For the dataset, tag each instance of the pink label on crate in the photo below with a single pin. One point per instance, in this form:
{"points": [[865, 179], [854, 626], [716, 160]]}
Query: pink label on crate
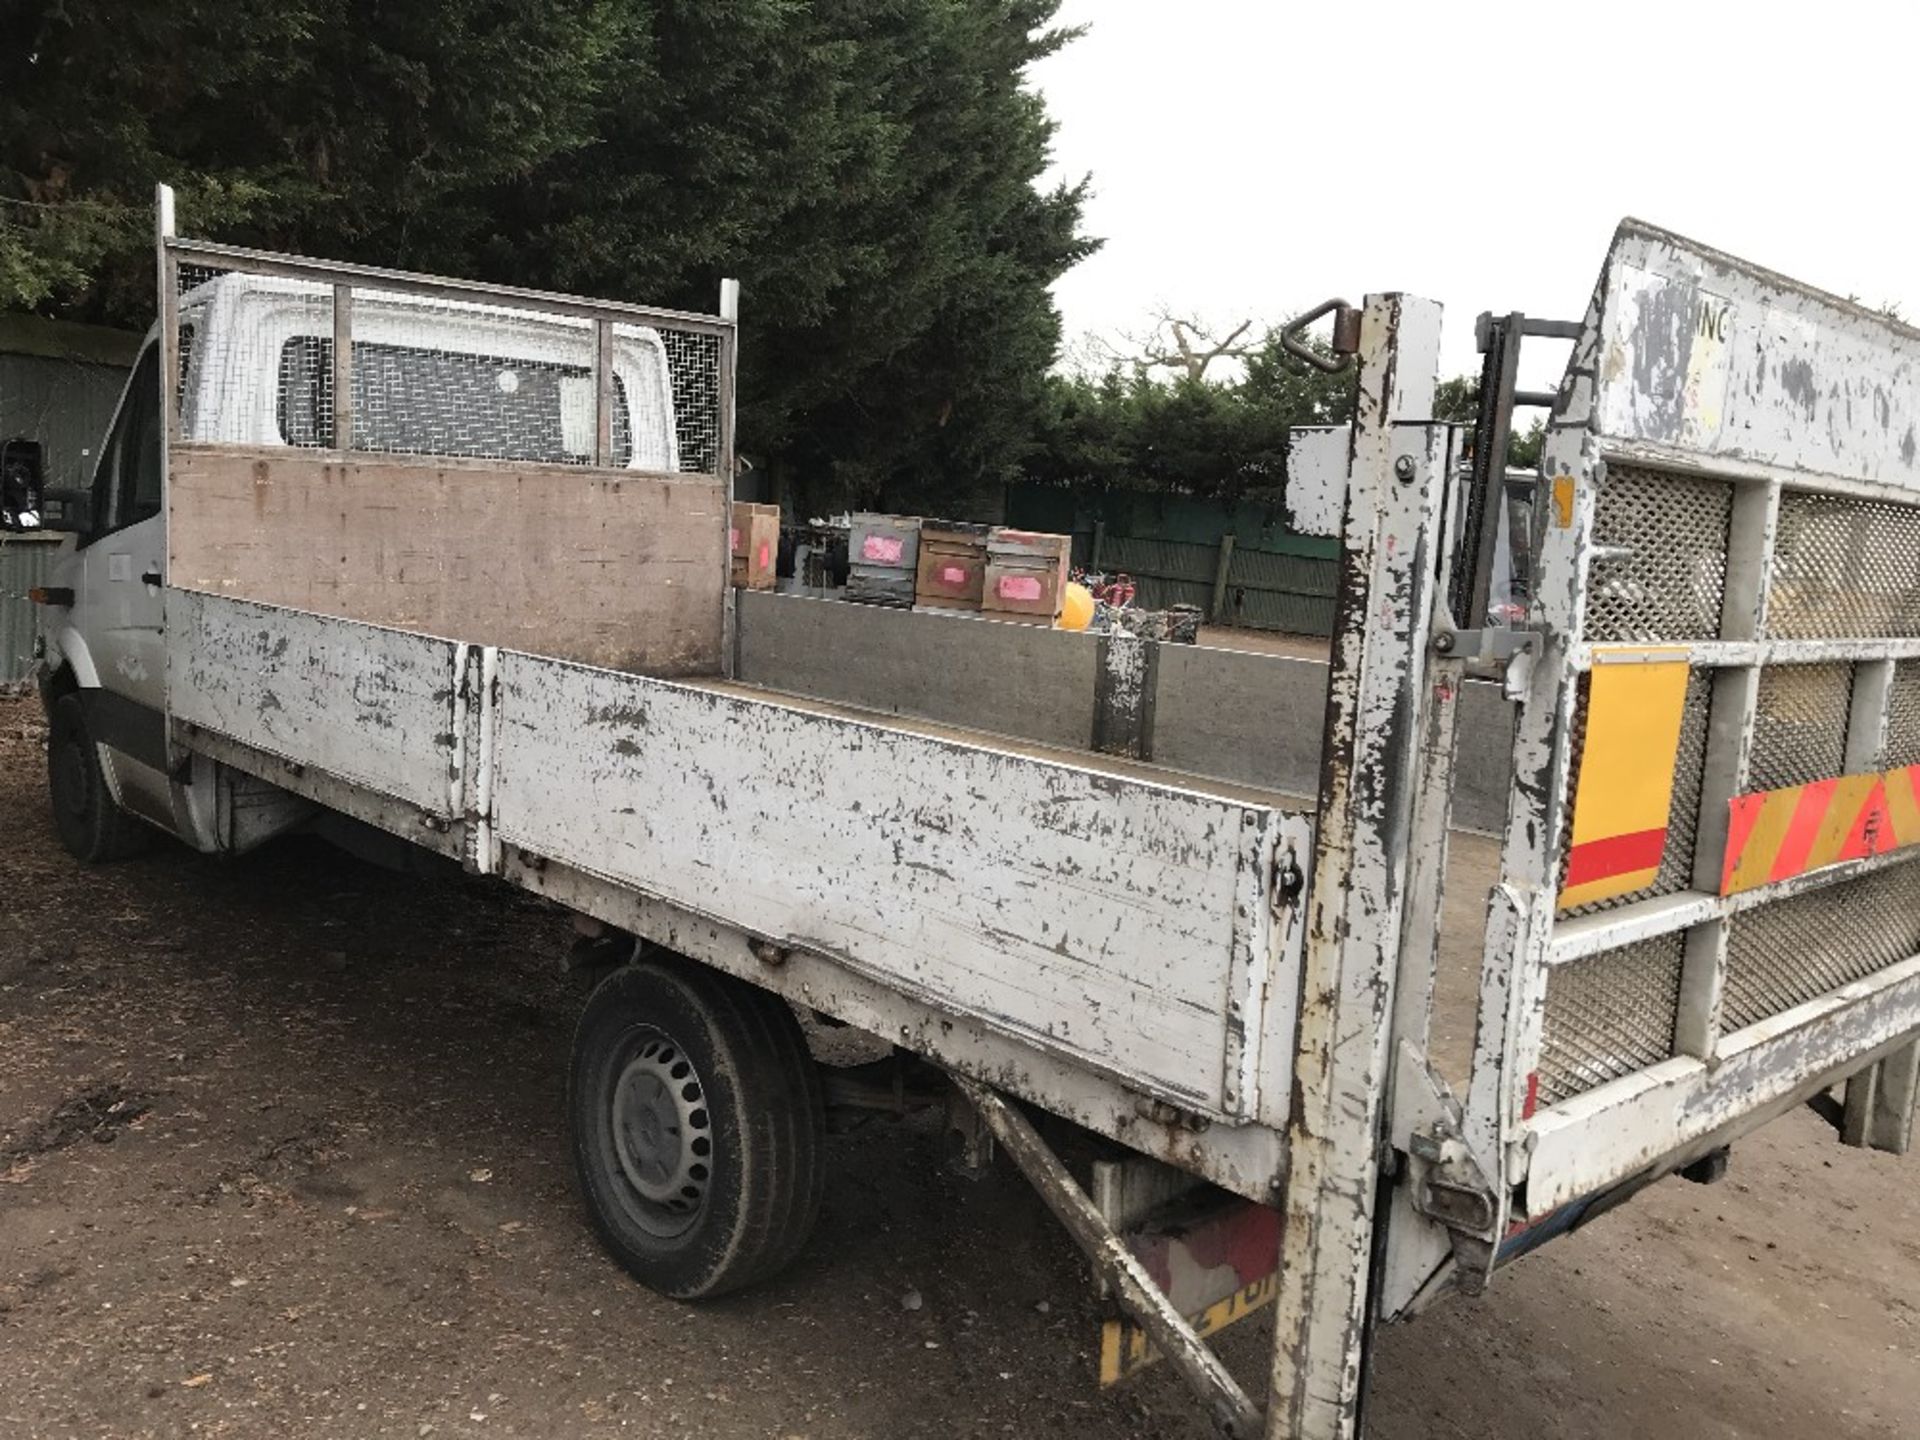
{"points": [[1019, 587], [763, 554], [733, 538], [952, 575], [882, 549]]}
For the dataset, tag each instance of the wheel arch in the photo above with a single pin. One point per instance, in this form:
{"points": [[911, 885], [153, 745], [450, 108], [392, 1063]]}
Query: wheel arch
{"points": [[67, 651]]}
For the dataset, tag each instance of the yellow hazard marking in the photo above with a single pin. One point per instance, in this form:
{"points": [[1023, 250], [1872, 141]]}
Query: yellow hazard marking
{"points": [[1850, 795], [1562, 501], [1636, 697], [1903, 804], [1750, 856], [1125, 1349]]}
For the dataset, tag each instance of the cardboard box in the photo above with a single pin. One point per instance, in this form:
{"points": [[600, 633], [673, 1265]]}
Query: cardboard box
{"points": [[755, 543]]}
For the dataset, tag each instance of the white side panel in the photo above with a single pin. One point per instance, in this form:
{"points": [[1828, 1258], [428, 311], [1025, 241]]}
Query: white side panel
{"points": [[369, 705], [1087, 913], [1716, 358], [1318, 460]]}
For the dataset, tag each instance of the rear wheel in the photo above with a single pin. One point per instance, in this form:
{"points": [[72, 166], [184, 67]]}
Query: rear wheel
{"points": [[696, 1114], [88, 820]]}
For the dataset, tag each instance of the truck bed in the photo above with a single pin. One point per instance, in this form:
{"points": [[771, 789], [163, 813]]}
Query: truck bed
{"points": [[1103, 912], [1118, 766]]}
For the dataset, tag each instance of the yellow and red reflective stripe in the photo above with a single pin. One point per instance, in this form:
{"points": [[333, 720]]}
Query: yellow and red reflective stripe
{"points": [[1636, 697], [1774, 835]]}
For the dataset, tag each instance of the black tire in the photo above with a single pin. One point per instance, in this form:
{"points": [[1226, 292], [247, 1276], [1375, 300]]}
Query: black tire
{"points": [[657, 1037], [88, 820]]}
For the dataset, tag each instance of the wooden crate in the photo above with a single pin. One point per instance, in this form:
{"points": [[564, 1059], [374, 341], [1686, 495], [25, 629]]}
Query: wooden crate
{"points": [[1025, 576], [953, 565], [755, 544], [1005, 543]]}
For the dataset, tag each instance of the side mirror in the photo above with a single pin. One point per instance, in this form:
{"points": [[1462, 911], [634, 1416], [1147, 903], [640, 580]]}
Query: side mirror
{"points": [[65, 512], [21, 485]]}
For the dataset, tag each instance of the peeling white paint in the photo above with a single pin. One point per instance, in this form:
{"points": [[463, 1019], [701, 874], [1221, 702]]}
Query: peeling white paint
{"points": [[1702, 365], [369, 705], [1089, 913], [1723, 360]]}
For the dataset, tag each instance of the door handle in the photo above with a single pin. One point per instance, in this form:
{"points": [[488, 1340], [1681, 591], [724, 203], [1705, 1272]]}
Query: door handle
{"points": [[152, 577]]}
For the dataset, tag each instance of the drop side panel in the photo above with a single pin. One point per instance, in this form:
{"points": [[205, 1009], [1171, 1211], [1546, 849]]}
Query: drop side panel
{"points": [[1088, 913]]}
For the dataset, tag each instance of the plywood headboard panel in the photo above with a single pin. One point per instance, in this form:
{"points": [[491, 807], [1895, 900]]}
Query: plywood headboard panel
{"points": [[607, 567]]}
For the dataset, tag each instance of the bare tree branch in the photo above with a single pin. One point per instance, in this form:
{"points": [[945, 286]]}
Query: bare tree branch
{"points": [[1184, 344]]}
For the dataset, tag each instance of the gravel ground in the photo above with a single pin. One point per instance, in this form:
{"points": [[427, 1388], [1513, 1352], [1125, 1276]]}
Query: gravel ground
{"points": [[280, 1155]]}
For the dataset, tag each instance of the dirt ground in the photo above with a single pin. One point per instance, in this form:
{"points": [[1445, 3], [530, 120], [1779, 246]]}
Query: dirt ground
{"points": [[280, 1155]]}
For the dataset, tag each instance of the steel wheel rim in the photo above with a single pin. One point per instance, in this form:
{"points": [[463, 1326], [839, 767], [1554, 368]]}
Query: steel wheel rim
{"points": [[662, 1133]]}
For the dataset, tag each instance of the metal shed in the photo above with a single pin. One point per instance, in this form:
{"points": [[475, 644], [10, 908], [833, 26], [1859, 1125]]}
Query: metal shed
{"points": [[59, 383]]}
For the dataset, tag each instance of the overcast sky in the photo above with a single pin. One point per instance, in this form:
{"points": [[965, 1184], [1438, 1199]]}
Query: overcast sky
{"points": [[1250, 158]]}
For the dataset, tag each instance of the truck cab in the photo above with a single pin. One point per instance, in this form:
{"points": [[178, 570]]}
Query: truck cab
{"points": [[255, 368]]}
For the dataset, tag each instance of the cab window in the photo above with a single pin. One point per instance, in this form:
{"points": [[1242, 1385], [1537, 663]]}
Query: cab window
{"points": [[127, 485]]}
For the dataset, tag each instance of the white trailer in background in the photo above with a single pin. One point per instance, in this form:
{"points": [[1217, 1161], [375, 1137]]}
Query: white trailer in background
{"points": [[451, 560]]}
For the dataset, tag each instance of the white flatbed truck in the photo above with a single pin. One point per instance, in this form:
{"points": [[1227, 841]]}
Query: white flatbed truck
{"points": [[451, 561]]}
